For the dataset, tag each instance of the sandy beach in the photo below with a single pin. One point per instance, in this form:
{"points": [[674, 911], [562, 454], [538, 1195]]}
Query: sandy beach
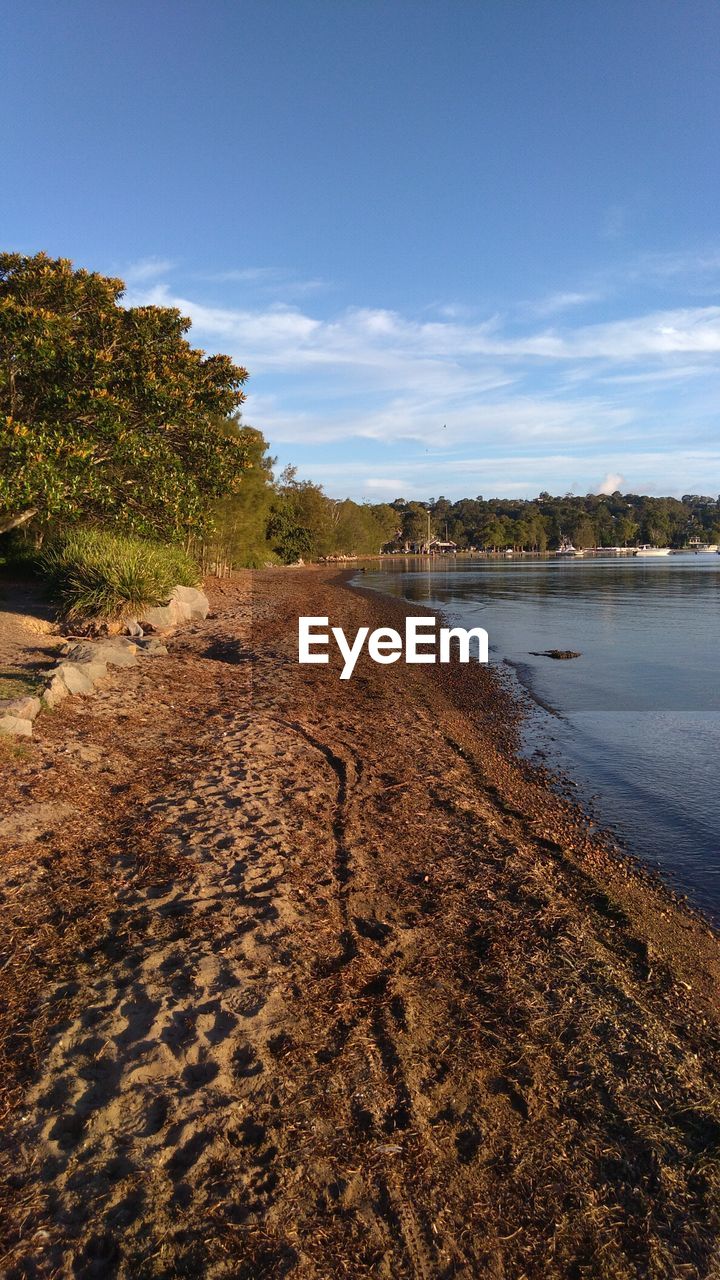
{"points": [[316, 979]]}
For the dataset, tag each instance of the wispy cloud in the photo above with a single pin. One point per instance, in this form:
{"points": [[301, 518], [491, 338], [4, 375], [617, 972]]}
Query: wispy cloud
{"points": [[247, 275], [269, 282], [556, 303], [615, 220], [377, 381], [286, 335], [147, 269], [519, 475], [387, 486], [685, 264]]}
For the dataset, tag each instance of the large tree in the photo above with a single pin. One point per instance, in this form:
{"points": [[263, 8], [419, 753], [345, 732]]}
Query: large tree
{"points": [[106, 412]]}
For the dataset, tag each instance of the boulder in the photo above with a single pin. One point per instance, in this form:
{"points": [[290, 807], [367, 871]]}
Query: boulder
{"points": [[194, 600], [75, 678], [55, 691], [95, 670], [22, 708], [183, 611], [162, 618], [82, 651], [119, 653], [16, 726], [116, 652], [152, 647]]}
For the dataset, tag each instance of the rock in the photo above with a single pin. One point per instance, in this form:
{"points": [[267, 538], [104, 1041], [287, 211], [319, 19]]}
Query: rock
{"points": [[95, 670], [185, 605], [75, 677], [133, 628], [196, 601], [152, 647], [163, 617], [56, 690], [82, 651], [183, 611], [15, 726], [24, 708], [117, 652]]}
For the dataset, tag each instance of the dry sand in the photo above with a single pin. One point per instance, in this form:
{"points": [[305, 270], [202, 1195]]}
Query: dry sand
{"points": [[313, 979]]}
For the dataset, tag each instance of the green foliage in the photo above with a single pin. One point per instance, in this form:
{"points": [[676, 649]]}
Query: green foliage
{"points": [[415, 524], [289, 540], [99, 575], [240, 519], [306, 523], [107, 413]]}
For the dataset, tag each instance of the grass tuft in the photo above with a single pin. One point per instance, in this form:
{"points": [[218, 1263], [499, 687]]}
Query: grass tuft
{"points": [[102, 576]]}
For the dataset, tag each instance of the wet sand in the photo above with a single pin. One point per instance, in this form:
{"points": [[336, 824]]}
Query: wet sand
{"points": [[314, 978]]}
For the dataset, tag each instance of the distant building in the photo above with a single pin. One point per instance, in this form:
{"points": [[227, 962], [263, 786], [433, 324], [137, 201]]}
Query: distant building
{"points": [[437, 548]]}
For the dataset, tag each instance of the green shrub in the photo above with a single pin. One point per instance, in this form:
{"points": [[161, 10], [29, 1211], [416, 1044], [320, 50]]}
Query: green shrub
{"points": [[100, 576]]}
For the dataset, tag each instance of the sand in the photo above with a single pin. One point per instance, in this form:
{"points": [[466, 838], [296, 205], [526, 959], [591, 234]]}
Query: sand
{"points": [[313, 978]]}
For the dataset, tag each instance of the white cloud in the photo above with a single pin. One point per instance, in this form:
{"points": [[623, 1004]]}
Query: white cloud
{"points": [[613, 482], [268, 282], [684, 264], [651, 377], [286, 336], [247, 275], [375, 375]]}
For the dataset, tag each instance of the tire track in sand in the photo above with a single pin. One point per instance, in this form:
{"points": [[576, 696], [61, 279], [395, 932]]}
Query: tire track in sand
{"points": [[392, 1199]]}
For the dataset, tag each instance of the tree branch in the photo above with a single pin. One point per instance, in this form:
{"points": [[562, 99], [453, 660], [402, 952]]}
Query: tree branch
{"points": [[13, 522]]}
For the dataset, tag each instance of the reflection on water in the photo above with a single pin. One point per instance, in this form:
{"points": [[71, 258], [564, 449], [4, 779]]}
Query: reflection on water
{"points": [[639, 711]]}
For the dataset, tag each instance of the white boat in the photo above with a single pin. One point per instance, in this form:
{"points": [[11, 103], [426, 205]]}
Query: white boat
{"points": [[647, 550], [567, 549]]}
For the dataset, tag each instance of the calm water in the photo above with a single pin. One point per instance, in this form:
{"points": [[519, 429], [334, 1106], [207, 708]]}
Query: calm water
{"points": [[635, 720]]}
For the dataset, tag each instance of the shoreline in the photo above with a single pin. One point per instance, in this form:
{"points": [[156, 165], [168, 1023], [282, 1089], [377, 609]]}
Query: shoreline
{"points": [[349, 989], [521, 703], [558, 763]]}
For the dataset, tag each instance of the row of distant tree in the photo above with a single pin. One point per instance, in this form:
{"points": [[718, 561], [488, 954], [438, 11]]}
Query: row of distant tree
{"points": [[539, 524], [110, 418]]}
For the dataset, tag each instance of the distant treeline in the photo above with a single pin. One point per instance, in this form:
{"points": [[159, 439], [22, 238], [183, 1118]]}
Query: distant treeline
{"points": [[539, 524], [292, 519]]}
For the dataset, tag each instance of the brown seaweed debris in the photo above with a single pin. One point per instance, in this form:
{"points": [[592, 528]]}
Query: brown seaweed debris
{"points": [[555, 653]]}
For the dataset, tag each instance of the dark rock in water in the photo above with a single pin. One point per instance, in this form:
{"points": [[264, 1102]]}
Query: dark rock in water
{"points": [[555, 653]]}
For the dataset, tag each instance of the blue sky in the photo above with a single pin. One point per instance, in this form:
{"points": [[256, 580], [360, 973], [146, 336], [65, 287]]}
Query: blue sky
{"points": [[463, 246]]}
